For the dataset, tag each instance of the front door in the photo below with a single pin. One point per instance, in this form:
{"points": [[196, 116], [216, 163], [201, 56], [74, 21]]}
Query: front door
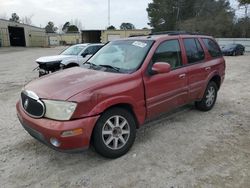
{"points": [[164, 92]]}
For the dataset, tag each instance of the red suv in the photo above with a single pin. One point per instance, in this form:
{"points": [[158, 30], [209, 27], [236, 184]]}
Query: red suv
{"points": [[125, 83]]}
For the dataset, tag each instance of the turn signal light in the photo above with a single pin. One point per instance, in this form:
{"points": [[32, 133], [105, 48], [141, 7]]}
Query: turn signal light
{"points": [[74, 132]]}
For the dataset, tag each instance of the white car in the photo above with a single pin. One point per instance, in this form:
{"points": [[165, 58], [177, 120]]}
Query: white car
{"points": [[73, 56]]}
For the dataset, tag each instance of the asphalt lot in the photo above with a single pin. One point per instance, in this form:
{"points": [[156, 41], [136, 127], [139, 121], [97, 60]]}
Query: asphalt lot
{"points": [[186, 148]]}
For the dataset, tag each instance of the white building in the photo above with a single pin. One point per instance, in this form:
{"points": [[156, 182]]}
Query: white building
{"points": [[17, 34]]}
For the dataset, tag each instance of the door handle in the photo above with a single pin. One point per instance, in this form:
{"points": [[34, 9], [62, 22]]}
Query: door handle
{"points": [[182, 76], [208, 68]]}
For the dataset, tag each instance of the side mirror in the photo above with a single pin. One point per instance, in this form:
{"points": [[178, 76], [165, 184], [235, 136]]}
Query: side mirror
{"points": [[84, 54], [161, 68]]}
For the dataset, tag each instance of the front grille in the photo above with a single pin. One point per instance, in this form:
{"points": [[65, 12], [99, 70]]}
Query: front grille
{"points": [[32, 105], [50, 66]]}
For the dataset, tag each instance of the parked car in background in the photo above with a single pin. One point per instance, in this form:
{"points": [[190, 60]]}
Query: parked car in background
{"points": [[73, 56], [126, 83], [233, 49]]}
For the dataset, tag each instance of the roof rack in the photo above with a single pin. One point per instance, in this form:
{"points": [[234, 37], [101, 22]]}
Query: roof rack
{"points": [[174, 33], [138, 35]]}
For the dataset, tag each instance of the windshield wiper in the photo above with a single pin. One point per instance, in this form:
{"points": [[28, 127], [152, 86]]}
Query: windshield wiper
{"points": [[111, 67], [91, 64]]}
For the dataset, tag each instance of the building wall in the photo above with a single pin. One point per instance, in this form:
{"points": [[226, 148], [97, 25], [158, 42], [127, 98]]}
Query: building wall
{"points": [[4, 36], [64, 39], [108, 35], [34, 36], [37, 39]]}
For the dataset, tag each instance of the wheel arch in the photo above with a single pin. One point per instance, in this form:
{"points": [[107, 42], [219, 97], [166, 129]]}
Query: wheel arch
{"points": [[72, 64], [217, 80], [127, 106]]}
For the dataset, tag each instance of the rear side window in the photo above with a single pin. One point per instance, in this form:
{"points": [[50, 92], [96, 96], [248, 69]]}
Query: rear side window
{"points": [[170, 52], [194, 51], [213, 47]]}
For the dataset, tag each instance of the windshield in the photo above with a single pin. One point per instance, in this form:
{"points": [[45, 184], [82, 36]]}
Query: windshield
{"points": [[73, 50], [123, 56]]}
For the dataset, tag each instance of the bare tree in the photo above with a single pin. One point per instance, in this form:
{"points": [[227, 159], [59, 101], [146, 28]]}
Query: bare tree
{"points": [[27, 19], [77, 23]]}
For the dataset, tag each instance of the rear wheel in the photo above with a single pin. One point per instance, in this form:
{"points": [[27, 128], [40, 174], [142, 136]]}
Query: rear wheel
{"points": [[114, 133], [209, 98]]}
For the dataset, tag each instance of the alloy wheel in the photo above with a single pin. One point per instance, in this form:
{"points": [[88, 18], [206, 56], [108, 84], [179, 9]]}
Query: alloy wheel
{"points": [[210, 97], [116, 132]]}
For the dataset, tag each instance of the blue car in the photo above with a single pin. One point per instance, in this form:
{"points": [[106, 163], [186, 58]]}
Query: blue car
{"points": [[233, 50]]}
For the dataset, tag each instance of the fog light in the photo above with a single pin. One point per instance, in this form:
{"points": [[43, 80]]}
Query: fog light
{"points": [[72, 132], [55, 142]]}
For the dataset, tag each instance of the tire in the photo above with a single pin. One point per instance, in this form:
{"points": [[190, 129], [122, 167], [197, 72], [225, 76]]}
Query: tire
{"points": [[209, 98], [112, 139]]}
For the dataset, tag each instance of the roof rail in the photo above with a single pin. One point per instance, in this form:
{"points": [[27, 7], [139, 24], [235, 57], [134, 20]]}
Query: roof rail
{"points": [[174, 33], [138, 35]]}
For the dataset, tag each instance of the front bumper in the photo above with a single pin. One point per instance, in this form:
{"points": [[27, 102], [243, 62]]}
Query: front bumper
{"points": [[44, 129]]}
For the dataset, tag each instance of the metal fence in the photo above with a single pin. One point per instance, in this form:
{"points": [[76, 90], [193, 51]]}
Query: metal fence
{"points": [[244, 41]]}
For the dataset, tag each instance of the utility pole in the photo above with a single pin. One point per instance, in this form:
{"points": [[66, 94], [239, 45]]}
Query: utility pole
{"points": [[108, 13]]}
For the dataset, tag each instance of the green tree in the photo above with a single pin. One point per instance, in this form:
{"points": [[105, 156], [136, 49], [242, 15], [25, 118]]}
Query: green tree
{"points": [[168, 14], [50, 27], [15, 18], [245, 26], [244, 2], [127, 26], [214, 17], [216, 21], [65, 27], [72, 29], [111, 28]]}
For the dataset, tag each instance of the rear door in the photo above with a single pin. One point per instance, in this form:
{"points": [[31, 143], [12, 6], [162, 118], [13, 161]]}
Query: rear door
{"points": [[197, 68], [164, 92]]}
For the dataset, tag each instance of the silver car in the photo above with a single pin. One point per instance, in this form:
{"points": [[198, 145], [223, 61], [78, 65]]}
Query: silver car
{"points": [[73, 56]]}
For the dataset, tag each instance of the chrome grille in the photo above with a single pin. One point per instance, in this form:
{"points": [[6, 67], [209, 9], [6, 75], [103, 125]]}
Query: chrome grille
{"points": [[32, 105]]}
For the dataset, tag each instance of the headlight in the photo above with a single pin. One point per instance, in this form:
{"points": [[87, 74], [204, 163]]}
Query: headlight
{"points": [[59, 110]]}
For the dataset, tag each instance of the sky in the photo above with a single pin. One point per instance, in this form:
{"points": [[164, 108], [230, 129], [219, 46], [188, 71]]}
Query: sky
{"points": [[93, 14]]}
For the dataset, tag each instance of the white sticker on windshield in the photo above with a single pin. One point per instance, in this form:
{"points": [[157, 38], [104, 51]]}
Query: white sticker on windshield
{"points": [[139, 44]]}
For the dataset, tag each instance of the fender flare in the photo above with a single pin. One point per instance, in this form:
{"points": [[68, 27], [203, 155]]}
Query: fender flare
{"points": [[138, 111], [209, 78]]}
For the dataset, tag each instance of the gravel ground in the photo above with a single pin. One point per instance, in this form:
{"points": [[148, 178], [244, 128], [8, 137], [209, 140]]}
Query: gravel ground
{"points": [[185, 148]]}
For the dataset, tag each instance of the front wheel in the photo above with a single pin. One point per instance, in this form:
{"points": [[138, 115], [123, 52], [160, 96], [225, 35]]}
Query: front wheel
{"points": [[114, 133], [209, 98]]}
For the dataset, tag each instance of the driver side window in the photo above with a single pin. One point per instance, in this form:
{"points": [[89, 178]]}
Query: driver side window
{"points": [[169, 52], [89, 50]]}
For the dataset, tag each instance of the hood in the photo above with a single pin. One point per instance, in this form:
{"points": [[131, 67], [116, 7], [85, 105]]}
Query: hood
{"points": [[64, 84], [46, 59], [227, 49]]}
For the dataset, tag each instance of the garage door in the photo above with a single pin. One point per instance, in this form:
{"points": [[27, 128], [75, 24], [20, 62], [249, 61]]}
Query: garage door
{"points": [[17, 37]]}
